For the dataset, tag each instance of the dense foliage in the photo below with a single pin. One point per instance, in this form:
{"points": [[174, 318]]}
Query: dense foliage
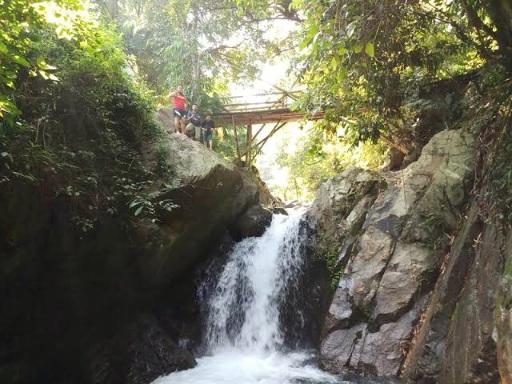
{"points": [[68, 79], [362, 59], [77, 123], [205, 46], [315, 159]]}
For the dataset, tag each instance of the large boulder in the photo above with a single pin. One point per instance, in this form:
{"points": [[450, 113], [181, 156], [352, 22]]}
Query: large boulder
{"points": [[389, 243], [210, 195], [252, 223], [63, 291]]}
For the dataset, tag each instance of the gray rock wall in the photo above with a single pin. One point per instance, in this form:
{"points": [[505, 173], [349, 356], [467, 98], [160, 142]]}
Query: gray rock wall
{"points": [[395, 255]]}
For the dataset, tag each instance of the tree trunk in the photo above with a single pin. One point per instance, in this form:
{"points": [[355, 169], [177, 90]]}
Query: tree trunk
{"points": [[500, 12], [113, 9]]}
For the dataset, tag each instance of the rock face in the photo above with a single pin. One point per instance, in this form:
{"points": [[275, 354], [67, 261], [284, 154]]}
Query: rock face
{"points": [[211, 196], [388, 244], [253, 222], [503, 317], [166, 117], [139, 353], [63, 294]]}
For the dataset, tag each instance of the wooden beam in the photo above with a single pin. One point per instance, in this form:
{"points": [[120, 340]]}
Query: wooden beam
{"points": [[263, 117], [248, 156], [236, 139]]}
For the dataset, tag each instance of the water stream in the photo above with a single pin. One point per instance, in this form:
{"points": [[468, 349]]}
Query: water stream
{"points": [[244, 336]]}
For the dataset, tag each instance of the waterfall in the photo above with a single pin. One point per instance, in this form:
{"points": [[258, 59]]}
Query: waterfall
{"points": [[245, 340], [244, 311]]}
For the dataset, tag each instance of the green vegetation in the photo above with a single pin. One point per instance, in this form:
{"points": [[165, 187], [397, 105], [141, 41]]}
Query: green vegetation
{"points": [[79, 124], [79, 81], [507, 270], [501, 178], [225, 142], [361, 59], [316, 159], [203, 45], [336, 273]]}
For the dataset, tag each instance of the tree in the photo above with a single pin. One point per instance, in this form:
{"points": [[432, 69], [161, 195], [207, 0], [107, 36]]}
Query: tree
{"points": [[315, 159], [360, 58], [22, 24], [204, 46], [490, 22]]}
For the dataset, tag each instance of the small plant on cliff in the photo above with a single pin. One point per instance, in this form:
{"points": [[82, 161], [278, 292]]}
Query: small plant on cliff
{"points": [[501, 179], [335, 271]]}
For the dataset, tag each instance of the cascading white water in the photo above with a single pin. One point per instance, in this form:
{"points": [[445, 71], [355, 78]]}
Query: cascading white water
{"points": [[244, 337], [244, 310]]}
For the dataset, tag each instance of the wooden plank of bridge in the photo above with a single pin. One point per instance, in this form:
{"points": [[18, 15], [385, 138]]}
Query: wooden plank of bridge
{"points": [[263, 117], [239, 157]]}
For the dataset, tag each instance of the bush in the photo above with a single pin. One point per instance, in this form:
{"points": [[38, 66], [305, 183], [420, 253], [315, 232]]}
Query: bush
{"points": [[81, 125]]}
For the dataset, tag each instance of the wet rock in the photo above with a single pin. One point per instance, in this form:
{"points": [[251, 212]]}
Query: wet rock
{"points": [[138, 354], [361, 350], [339, 346], [252, 223], [211, 194], [340, 311], [279, 210]]}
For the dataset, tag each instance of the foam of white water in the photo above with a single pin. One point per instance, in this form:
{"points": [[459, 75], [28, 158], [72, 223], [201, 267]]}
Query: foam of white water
{"points": [[237, 368]]}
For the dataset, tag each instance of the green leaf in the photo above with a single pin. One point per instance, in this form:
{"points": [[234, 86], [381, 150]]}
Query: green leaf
{"points": [[341, 75], [20, 60], [3, 48], [334, 62], [139, 210], [370, 49], [42, 64], [342, 51], [7, 106]]}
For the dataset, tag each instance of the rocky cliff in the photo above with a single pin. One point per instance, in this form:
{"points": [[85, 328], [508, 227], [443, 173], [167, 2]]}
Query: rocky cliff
{"points": [[421, 292]]}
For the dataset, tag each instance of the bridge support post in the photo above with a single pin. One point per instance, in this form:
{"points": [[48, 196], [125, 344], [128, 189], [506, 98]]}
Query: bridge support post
{"points": [[248, 156], [238, 155]]}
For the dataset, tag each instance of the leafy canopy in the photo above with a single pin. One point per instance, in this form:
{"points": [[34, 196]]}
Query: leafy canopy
{"points": [[21, 23], [77, 126], [205, 46]]}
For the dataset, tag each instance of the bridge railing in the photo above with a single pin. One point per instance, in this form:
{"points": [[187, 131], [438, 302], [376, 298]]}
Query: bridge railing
{"points": [[261, 102]]}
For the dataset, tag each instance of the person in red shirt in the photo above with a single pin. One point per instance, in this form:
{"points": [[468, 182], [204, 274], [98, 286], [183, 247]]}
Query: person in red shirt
{"points": [[179, 103]]}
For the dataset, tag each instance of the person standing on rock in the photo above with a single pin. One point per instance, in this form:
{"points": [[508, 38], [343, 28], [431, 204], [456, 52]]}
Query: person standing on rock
{"points": [[194, 125], [179, 103], [207, 127]]}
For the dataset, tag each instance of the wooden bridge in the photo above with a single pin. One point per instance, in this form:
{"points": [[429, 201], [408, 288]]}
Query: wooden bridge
{"points": [[263, 109]]}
